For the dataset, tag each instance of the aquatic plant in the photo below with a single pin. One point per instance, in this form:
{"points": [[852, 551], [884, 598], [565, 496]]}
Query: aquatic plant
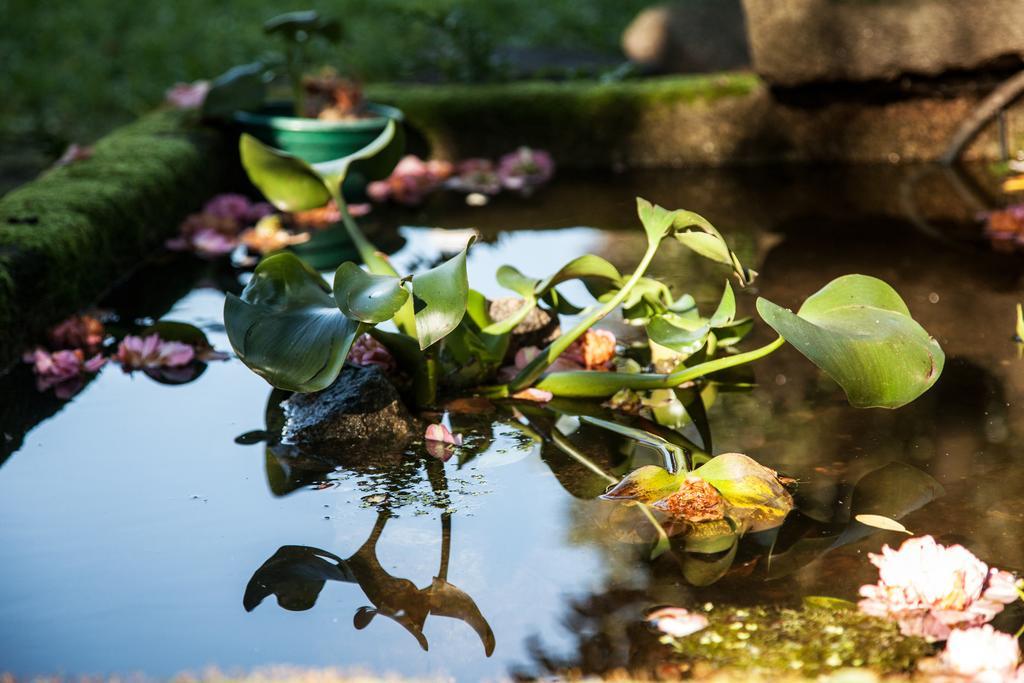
{"points": [[63, 370], [140, 353], [931, 589], [293, 329]]}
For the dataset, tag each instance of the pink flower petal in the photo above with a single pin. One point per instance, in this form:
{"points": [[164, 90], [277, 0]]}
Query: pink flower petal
{"points": [[677, 622]]}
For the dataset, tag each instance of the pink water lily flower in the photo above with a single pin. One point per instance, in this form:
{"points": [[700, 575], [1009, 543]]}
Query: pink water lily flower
{"points": [[212, 244], [368, 351], [187, 95], [525, 169], [62, 370], [977, 655], [931, 589], [411, 181], [440, 441], [677, 622], [139, 353]]}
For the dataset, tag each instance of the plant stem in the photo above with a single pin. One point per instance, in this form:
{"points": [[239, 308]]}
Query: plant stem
{"points": [[295, 76], [592, 384], [545, 358]]}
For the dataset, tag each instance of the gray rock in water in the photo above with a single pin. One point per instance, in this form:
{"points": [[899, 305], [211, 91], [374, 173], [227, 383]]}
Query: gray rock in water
{"points": [[361, 409], [796, 42], [696, 36]]}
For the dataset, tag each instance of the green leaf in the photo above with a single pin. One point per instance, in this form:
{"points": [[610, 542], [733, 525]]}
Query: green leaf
{"points": [[662, 332], [657, 221], [726, 311], [292, 26], [587, 268], [288, 182], [291, 184], [239, 88], [334, 172], [646, 484], [286, 326], [440, 298], [693, 231], [365, 297], [756, 498], [858, 330]]}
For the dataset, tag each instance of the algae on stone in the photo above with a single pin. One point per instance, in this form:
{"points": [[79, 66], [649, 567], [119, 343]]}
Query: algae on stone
{"points": [[810, 641]]}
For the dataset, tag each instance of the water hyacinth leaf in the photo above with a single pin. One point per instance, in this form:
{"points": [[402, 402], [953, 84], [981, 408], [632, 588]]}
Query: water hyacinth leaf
{"points": [[664, 333], [289, 183], [510, 278], [441, 295], [286, 326], [657, 221], [726, 311], [366, 297], [882, 522], [334, 172], [557, 302], [646, 484], [587, 268], [756, 498], [734, 332], [239, 88], [858, 330]]}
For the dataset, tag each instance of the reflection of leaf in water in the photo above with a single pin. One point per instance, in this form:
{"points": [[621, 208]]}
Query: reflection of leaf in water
{"points": [[892, 491], [297, 574]]}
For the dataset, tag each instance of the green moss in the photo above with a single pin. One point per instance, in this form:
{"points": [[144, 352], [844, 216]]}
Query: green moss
{"points": [[810, 641], [583, 123], [72, 233]]}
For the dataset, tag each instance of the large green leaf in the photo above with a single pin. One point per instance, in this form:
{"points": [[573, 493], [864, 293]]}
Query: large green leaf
{"points": [[756, 498], [334, 172], [366, 297], [286, 326], [858, 330], [239, 88], [289, 183], [440, 297]]}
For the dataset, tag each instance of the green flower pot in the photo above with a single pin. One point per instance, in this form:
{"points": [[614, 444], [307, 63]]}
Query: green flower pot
{"points": [[314, 140]]}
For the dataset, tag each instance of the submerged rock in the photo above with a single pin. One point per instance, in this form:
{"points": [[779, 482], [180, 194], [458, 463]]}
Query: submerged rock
{"points": [[362, 409]]}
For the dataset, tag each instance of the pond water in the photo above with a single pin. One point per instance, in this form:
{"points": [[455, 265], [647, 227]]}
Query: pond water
{"points": [[139, 536]]}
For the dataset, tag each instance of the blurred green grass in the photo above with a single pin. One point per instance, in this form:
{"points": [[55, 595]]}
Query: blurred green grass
{"points": [[73, 70]]}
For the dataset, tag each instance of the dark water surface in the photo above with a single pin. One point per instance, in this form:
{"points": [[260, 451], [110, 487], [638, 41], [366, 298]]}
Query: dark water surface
{"points": [[138, 536]]}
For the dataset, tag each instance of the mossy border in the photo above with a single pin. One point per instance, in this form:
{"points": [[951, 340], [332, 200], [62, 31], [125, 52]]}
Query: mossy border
{"points": [[583, 123], [68, 236]]}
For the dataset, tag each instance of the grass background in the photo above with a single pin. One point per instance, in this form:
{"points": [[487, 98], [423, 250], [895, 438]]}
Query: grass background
{"points": [[74, 70]]}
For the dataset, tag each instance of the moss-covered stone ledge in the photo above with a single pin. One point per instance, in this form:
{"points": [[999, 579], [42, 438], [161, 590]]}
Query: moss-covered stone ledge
{"points": [[696, 120], [68, 236]]}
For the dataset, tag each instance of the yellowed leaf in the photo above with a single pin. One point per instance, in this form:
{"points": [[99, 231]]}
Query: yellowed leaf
{"points": [[881, 522]]}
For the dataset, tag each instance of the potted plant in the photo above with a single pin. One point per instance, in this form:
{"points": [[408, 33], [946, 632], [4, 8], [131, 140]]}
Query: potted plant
{"points": [[327, 117]]}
